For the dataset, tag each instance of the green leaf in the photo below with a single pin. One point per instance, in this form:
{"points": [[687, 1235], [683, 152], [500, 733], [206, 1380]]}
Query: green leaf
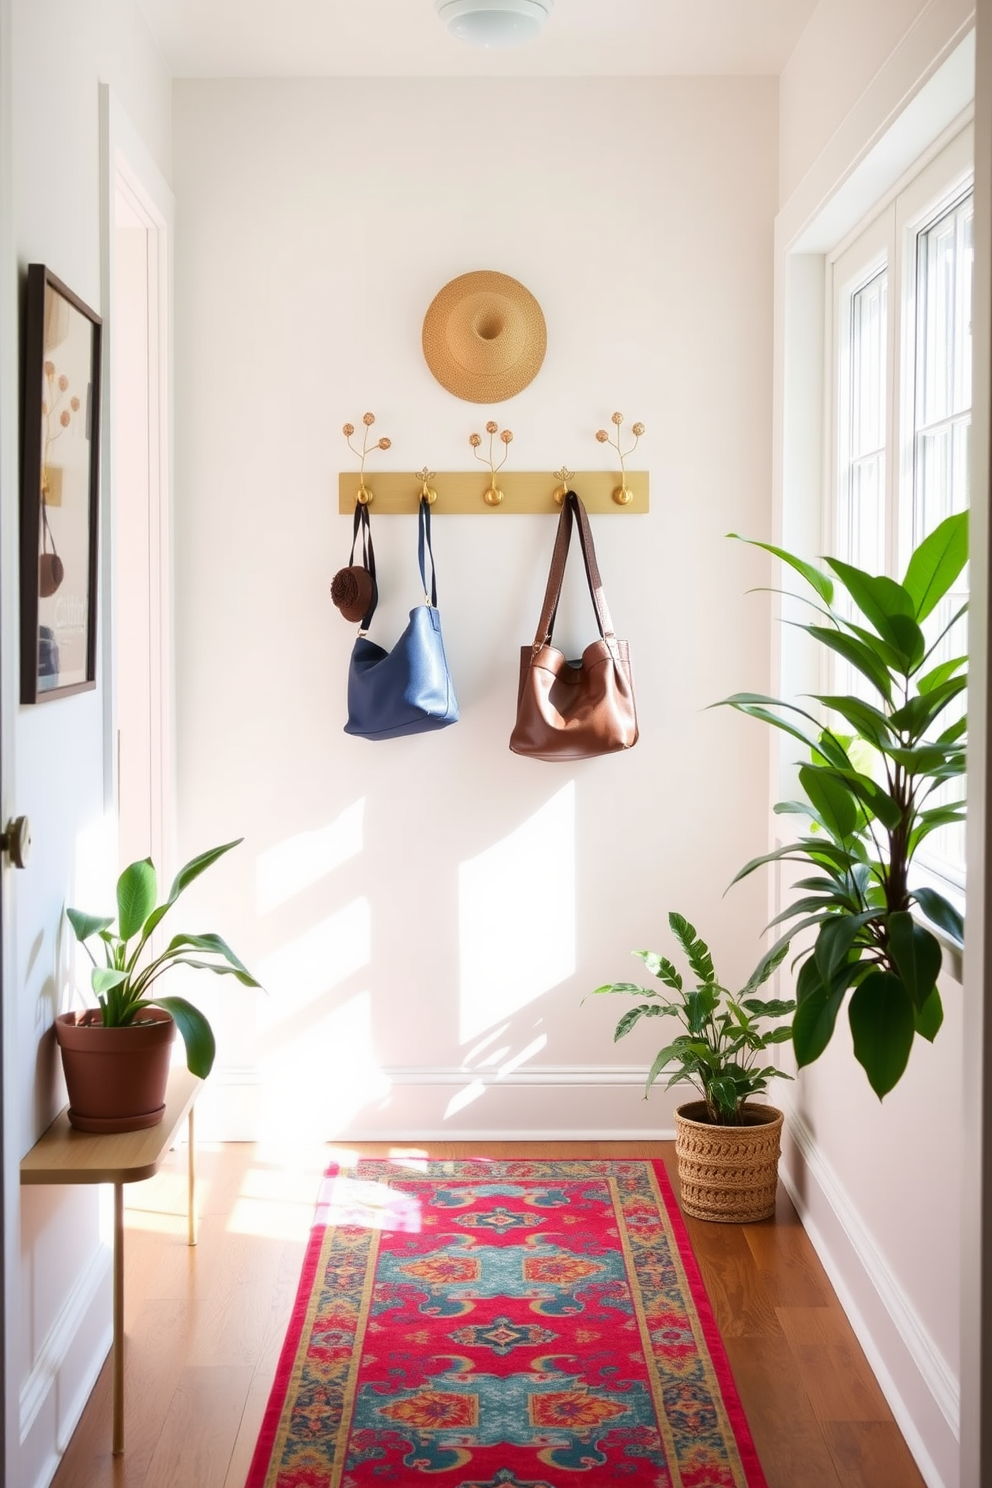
{"points": [[104, 979], [697, 952], [813, 576], [918, 714], [136, 891], [870, 723], [941, 913], [805, 851], [766, 966], [218, 947], [832, 800], [198, 865], [836, 940], [86, 925], [662, 968], [813, 1025], [196, 1032], [924, 759], [879, 598], [916, 954], [627, 1022], [862, 657], [764, 715], [936, 564], [930, 1017], [625, 987], [940, 674], [883, 1024], [769, 1008]]}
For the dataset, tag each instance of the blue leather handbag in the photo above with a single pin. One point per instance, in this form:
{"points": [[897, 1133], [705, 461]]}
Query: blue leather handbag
{"points": [[407, 690]]}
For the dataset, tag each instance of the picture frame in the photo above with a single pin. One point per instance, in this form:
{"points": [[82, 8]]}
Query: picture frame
{"points": [[60, 475]]}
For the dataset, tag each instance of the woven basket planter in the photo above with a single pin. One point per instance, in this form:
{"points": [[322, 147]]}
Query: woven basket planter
{"points": [[728, 1173]]}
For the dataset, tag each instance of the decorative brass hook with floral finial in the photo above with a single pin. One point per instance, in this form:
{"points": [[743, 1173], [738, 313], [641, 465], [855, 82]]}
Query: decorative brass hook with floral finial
{"points": [[427, 491], [566, 477], [493, 496], [622, 496], [364, 495]]}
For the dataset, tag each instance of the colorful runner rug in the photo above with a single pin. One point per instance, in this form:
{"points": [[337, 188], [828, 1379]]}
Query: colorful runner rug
{"points": [[502, 1324]]}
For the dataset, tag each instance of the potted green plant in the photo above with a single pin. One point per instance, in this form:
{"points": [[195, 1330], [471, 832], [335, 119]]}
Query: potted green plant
{"points": [[875, 762], [116, 1056], [727, 1145]]}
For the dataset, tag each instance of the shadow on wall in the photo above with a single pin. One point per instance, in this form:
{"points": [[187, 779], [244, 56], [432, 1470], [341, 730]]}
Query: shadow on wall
{"points": [[516, 933]]}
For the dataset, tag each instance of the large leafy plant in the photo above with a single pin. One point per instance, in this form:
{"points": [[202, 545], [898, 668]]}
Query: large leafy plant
{"points": [[724, 1032], [126, 982], [869, 787]]}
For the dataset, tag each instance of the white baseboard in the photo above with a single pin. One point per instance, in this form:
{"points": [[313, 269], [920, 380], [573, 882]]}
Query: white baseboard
{"points": [[447, 1103], [921, 1390]]}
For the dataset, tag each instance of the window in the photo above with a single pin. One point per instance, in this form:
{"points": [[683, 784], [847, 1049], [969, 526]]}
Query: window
{"points": [[901, 309]]}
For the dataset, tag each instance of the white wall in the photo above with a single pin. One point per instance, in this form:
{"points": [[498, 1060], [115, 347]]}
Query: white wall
{"points": [[408, 901], [879, 1185], [54, 755]]}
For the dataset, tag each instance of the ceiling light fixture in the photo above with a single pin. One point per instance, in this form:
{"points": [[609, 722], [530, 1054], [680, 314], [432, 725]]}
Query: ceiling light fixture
{"points": [[494, 23]]}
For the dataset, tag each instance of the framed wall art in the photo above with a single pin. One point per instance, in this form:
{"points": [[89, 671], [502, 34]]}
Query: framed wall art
{"points": [[59, 490]]}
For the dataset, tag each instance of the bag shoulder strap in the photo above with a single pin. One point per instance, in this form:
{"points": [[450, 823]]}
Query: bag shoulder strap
{"points": [[424, 547], [573, 509], [363, 522]]}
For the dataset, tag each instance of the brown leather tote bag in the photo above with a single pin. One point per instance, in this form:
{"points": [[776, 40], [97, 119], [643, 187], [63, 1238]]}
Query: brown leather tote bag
{"points": [[569, 710]]}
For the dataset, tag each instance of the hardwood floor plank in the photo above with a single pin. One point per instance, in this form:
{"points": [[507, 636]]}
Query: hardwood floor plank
{"points": [[789, 1439], [832, 1366], [186, 1455], [871, 1454]]}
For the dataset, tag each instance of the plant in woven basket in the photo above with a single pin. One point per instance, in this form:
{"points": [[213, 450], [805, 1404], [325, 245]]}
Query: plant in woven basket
{"points": [[725, 1032], [870, 798]]}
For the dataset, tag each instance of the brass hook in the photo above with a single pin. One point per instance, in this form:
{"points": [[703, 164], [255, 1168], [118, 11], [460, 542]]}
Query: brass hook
{"points": [[427, 492], [566, 477]]}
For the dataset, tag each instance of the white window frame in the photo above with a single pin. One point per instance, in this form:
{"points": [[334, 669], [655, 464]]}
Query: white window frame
{"points": [[887, 238]]}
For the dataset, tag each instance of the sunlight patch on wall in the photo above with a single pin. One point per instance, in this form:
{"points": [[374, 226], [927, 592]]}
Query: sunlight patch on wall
{"points": [[303, 969], [289, 867], [532, 1049], [464, 1098], [517, 917], [317, 1081], [96, 867]]}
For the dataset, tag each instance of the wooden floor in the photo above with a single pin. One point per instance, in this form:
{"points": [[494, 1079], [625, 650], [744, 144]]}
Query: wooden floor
{"points": [[204, 1327]]}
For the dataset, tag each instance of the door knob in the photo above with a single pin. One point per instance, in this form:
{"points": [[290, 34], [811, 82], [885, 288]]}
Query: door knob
{"points": [[16, 841]]}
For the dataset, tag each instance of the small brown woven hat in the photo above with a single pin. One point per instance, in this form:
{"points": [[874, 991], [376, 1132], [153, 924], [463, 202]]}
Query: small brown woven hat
{"points": [[484, 337]]}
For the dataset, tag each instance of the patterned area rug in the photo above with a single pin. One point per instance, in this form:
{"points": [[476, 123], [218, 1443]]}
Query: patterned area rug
{"points": [[503, 1324]]}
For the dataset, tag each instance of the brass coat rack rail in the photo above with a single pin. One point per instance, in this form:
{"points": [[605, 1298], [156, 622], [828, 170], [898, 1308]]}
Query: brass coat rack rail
{"points": [[394, 493]]}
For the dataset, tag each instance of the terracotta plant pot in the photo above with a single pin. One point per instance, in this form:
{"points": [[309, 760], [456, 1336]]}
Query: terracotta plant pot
{"points": [[116, 1077], [728, 1173]]}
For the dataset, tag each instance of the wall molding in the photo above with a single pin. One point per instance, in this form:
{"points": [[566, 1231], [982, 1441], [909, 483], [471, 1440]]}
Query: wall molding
{"points": [[46, 1371], [818, 1186], [532, 1074]]}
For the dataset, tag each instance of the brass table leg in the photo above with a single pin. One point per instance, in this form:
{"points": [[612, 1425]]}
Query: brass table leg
{"points": [[118, 1361]]}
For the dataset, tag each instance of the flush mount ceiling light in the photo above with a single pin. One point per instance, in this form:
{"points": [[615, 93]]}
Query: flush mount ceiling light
{"points": [[494, 23]]}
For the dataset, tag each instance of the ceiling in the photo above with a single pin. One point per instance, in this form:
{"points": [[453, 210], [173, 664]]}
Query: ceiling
{"points": [[404, 38]]}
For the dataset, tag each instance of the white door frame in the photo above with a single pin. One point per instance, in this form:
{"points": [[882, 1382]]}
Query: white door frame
{"points": [[129, 170]]}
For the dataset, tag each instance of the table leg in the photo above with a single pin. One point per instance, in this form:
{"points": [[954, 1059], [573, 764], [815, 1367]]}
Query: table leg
{"points": [[191, 1174], [118, 1360]]}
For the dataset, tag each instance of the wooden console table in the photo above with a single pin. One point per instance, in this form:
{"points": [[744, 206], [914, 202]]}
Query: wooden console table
{"points": [[64, 1155]]}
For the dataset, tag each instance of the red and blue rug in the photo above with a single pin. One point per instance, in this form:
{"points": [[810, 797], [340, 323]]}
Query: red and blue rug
{"points": [[502, 1324]]}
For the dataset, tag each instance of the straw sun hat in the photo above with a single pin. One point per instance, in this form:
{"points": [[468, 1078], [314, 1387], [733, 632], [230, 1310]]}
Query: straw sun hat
{"points": [[484, 336]]}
